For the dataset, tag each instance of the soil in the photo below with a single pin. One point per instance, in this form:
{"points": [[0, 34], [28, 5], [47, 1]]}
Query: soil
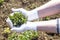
{"points": [[5, 10]]}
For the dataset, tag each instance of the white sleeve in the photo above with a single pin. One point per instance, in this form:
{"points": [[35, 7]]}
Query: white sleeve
{"points": [[55, 0]]}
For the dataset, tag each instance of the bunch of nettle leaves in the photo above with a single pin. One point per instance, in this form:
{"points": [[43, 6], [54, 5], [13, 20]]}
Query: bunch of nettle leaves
{"points": [[18, 19]]}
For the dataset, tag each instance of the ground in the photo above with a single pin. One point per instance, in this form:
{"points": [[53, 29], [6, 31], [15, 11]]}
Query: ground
{"points": [[5, 10]]}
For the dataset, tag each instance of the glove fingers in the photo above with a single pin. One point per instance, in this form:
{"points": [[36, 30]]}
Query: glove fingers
{"points": [[19, 10], [17, 29], [9, 22], [15, 10]]}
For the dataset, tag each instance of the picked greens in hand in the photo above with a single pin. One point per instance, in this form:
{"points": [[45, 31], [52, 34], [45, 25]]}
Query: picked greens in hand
{"points": [[18, 18]]}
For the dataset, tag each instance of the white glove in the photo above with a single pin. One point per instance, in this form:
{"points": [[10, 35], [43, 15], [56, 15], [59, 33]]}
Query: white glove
{"points": [[24, 27], [32, 15]]}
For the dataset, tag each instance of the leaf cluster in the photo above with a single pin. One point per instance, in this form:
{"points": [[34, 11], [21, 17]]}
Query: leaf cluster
{"points": [[27, 35], [1, 1], [18, 19]]}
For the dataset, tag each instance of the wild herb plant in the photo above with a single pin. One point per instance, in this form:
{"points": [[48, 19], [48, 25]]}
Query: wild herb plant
{"points": [[18, 19], [27, 35]]}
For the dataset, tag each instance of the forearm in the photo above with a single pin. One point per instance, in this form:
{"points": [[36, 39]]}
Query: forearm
{"points": [[52, 26], [48, 9], [48, 26]]}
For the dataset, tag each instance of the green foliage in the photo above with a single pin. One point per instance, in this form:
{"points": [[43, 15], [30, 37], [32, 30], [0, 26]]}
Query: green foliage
{"points": [[1, 1], [27, 35], [18, 19], [6, 30], [47, 18]]}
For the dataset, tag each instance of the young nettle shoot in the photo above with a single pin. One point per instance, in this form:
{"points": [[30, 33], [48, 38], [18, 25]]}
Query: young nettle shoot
{"points": [[27, 35], [18, 19]]}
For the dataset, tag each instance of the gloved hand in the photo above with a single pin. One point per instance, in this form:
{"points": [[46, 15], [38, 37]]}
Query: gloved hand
{"points": [[24, 27], [32, 15]]}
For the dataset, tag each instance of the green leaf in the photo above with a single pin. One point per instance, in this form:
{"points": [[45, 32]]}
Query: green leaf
{"points": [[18, 19]]}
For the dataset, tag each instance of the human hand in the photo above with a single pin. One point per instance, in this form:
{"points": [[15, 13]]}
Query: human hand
{"points": [[32, 15], [24, 27]]}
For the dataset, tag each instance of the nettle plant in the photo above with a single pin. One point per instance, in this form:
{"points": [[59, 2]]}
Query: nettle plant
{"points": [[27, 35], [18, 19], [1, 1]]}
